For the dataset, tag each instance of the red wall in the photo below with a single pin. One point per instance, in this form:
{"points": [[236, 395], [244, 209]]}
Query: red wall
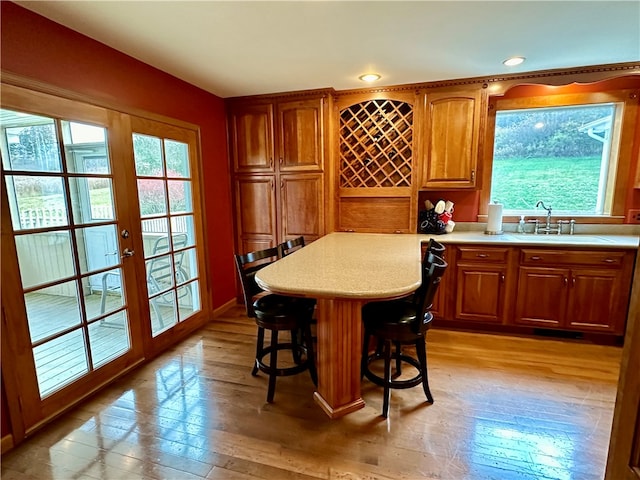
{"points": [[40, 49]]}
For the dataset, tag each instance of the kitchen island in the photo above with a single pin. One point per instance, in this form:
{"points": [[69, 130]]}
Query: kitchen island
{"points": [[343, 271]]}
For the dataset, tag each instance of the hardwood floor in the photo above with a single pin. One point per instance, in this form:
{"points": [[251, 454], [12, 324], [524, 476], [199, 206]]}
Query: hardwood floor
{"points": [[505, 408]]}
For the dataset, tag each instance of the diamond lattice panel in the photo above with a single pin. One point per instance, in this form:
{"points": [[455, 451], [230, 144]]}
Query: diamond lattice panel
{"points": [[376, 144]]}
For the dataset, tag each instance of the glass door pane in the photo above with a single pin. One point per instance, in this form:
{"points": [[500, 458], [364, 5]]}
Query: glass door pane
{"points": [[165, 185], [60, 193]]}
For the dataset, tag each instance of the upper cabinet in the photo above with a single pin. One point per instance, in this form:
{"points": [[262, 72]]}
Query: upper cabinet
{"points": [[288, 135], [277, 146], [252, 142], [451, 137], [301, 135]]}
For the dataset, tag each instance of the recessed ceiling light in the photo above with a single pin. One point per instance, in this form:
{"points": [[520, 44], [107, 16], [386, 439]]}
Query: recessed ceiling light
{"points": [[369, 77], [513, 61]]}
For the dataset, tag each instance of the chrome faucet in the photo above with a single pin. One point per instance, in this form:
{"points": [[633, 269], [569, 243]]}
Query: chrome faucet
{"points": [[547, 228]]}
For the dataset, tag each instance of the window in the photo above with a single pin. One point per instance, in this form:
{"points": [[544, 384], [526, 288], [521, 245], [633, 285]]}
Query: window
{"points": [[571, 152], [560, 155]]}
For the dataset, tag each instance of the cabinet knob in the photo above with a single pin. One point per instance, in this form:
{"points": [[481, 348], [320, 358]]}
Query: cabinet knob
{"points": [[473, 175], [565, 280], [280, 160], [502, 277]]}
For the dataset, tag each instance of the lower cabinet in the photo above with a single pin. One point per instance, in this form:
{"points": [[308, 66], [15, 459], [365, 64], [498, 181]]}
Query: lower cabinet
{"points": [[564, 289], [574, 290], [483, 281]]}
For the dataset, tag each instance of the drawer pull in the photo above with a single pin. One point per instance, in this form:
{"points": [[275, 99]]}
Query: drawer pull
{"points": [[535, 257], [482, 255], [609, 260]]}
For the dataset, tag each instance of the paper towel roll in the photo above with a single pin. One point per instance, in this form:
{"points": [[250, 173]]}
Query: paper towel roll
{"points": [[494, 219]]}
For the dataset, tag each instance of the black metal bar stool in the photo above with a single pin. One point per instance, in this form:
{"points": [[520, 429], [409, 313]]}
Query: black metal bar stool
{"points": [[402, 322], [276, 313]]}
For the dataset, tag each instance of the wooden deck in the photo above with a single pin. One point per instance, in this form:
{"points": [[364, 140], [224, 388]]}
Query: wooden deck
{"points": [[60, 361], [505, 408]]}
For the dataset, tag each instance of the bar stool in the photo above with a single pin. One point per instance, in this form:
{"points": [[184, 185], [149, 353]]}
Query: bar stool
{"points": [[276, 313], [402, 322]]}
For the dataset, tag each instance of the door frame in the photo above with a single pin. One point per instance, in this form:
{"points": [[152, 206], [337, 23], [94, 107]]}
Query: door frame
{"points": [[13, 413], [622, 461]]}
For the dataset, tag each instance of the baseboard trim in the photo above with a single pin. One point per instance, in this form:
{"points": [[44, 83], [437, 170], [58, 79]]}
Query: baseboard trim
{"points": [[6, 444], [223, 308]]}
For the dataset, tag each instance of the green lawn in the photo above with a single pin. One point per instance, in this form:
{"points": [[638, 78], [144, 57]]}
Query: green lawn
{"points": [[564, 183]]}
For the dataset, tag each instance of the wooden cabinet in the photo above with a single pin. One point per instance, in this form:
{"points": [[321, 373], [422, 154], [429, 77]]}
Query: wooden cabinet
{"points": [[277, 149], [483, 283], [451, 134], [251, 138], [302, 206], [255, 201], [375, 177], [584, 290]]}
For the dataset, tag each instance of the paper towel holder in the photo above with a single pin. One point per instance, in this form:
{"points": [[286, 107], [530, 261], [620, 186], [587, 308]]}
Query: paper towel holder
{"points": [[494, 230]]}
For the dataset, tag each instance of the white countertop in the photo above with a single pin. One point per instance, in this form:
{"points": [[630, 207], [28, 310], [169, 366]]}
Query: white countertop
{"points": [[519, 239], [376, 266], [348, 265]]}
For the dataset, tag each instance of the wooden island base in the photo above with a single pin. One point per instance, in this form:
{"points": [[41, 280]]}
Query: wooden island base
{"points": [[339, 350]]}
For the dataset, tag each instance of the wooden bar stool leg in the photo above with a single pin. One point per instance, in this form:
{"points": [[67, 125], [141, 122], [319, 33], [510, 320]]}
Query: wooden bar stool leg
{"points": [[273, 366], [421, 352]]}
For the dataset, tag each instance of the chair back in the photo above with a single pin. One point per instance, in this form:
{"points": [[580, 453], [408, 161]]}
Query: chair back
{"points": [[160, 269], [247, 266], [436, 248], [433, 267], [292, 245]]}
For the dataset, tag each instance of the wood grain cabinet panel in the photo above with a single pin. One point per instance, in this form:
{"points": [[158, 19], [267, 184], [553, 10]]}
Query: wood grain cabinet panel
{"points": [[255, 201], [274, 142], [483, 283], [589, 292], [252, 140], [451, 137], [302, 206], [541, 299], [301, 135]]}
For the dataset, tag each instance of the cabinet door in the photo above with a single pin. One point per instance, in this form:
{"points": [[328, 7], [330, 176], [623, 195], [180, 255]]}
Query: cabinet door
{"points": [[255, 212], [594, 301], [451, 140], [302, 206], [300, 127], [252, 144], [542, 296], [480, 292]]}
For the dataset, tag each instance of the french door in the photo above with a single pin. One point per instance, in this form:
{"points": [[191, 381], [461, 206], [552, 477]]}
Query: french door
{"points": [[101, 247]]}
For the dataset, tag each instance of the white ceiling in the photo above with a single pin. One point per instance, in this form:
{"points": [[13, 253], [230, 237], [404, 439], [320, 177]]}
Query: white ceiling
{"points": [[244, 48]]}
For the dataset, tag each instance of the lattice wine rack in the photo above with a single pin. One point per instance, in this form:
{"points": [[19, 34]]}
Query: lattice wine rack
{"points": [[376, 144]]}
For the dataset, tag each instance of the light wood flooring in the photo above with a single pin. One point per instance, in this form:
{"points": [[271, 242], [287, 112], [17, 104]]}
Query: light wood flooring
{"points": [[505, 408]]}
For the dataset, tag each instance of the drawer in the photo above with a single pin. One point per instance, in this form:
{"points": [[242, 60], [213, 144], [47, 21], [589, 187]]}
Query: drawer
{"points": [[532, 256], [483, 254]]}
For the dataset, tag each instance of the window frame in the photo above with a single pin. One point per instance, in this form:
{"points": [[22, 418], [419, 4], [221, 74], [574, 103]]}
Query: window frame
{"points": [[625, 122]]}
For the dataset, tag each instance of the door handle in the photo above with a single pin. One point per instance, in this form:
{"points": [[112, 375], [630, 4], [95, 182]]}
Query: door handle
{"points": [[127, 253]]}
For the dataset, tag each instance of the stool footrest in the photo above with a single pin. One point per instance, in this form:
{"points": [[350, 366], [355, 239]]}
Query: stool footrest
{"points": [[408, 383], [281, 372]]}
